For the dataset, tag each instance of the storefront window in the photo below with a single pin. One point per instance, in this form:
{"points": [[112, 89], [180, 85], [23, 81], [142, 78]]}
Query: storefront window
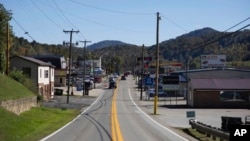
{"points": [[232, 96]]}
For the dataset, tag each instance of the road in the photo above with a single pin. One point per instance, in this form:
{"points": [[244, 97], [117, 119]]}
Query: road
{"points": [[115, 116]]}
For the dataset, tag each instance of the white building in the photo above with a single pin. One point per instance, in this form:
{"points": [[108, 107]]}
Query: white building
{"points": [[39, 72]]}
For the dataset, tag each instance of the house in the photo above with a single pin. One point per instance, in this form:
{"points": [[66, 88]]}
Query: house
{"points": [[60, 68], [41, 73]]}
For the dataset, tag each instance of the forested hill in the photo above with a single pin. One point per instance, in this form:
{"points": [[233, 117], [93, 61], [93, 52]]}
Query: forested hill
{"points": [[236, 46]]}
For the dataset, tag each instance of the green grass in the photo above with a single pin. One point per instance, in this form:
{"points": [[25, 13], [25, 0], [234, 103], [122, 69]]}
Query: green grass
{"points": [[199, 136], [11, 89], [34, 124], [30, 125]]}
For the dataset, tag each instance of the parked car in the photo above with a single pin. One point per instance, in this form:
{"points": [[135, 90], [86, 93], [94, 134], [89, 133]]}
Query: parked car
{"points": [[151, 93], [112, 84], [123, 77]]}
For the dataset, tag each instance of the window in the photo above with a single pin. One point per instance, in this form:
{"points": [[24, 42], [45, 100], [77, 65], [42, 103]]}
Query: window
{"points": [[41, 73], [46, 74], [231, 96]]}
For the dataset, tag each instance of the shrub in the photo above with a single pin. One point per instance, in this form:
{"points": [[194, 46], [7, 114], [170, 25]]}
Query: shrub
{"points": [[22, 78]]}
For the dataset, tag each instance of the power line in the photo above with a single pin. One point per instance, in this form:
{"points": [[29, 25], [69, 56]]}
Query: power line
{"points": [[219, 38], [174, 23], [25, 32], [109, 10], [57, 25], [60, 10]]}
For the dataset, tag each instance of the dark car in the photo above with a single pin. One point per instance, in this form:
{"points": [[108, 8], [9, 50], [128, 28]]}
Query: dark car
{"points": [[112, 84], [123, 77]]}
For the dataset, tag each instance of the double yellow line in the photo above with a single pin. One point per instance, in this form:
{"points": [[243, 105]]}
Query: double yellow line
{"points": [[115, 127]]}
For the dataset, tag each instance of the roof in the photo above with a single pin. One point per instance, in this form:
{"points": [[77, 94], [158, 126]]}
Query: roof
{"points": [[33, 60], [54, 60], [215, 84]]}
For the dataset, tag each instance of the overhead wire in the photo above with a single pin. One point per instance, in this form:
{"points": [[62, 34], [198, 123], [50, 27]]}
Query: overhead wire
{"points": [[174, 23], [221, 36], [31, 17], [109, 10], [52, 21], [25, 31]]}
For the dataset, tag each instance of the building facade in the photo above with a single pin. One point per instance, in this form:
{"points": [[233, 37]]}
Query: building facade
{"points": [[39, 72]]}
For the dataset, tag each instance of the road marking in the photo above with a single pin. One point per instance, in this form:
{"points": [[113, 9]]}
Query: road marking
{"points": [[60, 129], [157, 123], [115, 126]]}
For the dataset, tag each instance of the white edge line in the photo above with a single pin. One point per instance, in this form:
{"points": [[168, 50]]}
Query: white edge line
{"points": [[52, 134], [167, 129]]}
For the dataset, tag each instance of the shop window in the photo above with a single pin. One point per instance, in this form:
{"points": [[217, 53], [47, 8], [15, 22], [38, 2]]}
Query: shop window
{"points": [[231, 96]]}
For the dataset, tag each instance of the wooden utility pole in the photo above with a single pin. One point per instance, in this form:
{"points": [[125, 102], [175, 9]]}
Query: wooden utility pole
{"points": [[142, 69], [8, 51], [157, 63], [70, 52], [84, 65]]}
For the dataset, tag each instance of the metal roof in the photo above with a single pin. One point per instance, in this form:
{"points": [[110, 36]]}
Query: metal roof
{"points": [[215, 84]]}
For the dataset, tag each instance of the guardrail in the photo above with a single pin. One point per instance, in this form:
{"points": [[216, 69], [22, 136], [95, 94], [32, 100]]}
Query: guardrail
{"points": [[209, 131]]}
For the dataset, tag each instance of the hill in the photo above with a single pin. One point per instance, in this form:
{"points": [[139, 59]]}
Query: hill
{"points": [[185, 47], [207, 41], [11, 89], [105, 43]]}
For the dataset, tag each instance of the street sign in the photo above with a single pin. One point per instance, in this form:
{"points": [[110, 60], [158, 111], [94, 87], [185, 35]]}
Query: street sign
{"points": [[149, 81], [190, 114]]}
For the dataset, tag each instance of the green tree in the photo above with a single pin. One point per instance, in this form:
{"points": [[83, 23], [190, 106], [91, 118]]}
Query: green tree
{"points": [[5, 17]]}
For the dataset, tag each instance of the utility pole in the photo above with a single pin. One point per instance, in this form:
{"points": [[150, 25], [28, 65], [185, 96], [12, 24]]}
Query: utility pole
{"points": [[157, 63], [8, 51], [142, 68], [84, 65], [70, 52]]}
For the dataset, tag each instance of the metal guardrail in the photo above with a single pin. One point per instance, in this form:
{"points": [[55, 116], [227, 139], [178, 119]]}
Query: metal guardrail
{"points": [[208, 130]]}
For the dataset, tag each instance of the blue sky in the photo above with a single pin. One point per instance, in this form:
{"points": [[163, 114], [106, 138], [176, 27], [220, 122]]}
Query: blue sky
{"points": [[130, 21]]}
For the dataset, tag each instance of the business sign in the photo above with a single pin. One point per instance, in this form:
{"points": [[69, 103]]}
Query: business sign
{"points": [[213, 61], [170, 79]]}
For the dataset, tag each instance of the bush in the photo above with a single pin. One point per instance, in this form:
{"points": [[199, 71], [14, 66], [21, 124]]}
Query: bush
{"points": [[23, 79]]}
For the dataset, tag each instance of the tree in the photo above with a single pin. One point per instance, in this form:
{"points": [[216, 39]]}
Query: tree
{"points": [[5, 17]]}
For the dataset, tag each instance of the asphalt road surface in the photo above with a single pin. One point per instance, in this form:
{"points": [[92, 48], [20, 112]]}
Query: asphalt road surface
{"points": [[114, 116]]}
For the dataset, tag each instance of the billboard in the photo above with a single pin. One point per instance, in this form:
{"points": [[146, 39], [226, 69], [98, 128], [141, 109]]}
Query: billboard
{"points": [[213, 61]]}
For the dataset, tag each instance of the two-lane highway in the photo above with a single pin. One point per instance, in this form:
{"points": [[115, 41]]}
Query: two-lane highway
{"points": [[114, 116]]}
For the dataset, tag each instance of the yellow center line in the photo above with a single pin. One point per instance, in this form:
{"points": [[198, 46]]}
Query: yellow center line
{"points": [[115, 126]]}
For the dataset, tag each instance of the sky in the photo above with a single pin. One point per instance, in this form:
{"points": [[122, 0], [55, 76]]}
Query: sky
{"points": [[130, 21]]}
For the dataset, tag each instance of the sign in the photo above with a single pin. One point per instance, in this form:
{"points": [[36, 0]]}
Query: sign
{"points": [[190, 114], [213, 61], [170, 79], [148, 81], [170, 87]]}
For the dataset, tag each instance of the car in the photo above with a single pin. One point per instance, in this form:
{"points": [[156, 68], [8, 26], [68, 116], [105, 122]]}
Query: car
{"points": [[112, 84], [111, 79], [123, 77], [151, 93]]}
